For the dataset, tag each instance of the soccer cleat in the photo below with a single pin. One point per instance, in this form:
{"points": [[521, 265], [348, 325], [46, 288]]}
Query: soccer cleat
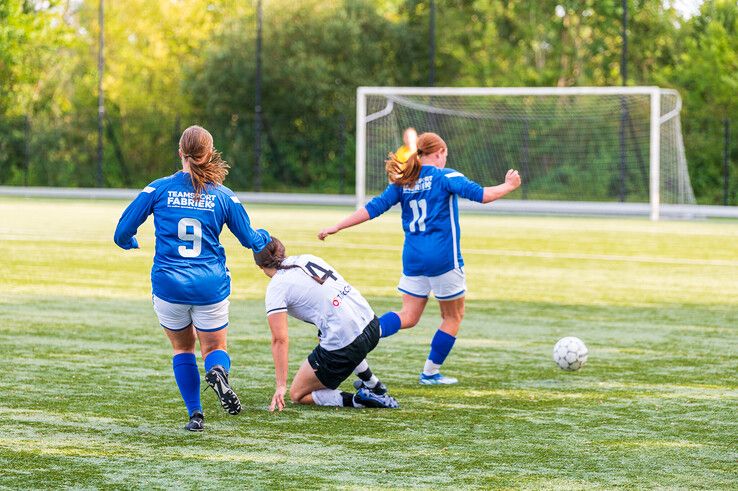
{"points": [[380, 389], [436, 379], [197, 422], [367, 398], [217, 379]]}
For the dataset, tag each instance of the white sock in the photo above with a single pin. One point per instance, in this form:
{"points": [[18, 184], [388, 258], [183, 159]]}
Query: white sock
{"points": [[361, 367], [372, 382], [328, 397], [431, 368]]}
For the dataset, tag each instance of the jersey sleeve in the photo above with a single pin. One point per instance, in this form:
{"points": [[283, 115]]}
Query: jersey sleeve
{"points": [[239, 223], [379, 204], [133, 216], [276, 298], [458, 183]]}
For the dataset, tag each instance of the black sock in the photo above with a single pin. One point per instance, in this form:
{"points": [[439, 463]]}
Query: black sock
{"points": [[348, 399], [366, 375]]}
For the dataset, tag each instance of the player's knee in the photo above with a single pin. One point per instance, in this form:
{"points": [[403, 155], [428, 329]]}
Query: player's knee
{"points": [[409, 319], [453, 317]]}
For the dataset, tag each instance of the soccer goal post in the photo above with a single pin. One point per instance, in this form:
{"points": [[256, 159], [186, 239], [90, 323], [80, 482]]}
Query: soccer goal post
{"points": [[613, 149]]}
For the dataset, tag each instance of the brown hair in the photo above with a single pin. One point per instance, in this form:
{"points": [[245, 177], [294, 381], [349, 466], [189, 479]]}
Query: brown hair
{"points": [[406, 173], [273, 254], [206, 165]]}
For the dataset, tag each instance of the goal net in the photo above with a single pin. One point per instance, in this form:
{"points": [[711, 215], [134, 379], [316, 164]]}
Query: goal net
{"points": [[602, 145]]}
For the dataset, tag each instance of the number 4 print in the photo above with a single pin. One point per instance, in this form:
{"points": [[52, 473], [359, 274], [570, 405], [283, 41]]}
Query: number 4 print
{"points": [[327, 273]]}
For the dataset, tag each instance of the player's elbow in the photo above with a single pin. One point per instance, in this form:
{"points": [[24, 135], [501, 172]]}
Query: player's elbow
{"points": [[119, 239]]}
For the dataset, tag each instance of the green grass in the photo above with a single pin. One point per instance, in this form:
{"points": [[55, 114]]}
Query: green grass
{"points": [[88, 399]]}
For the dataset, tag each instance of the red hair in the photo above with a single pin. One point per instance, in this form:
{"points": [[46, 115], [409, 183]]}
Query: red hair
{"points": [[406, 173]]}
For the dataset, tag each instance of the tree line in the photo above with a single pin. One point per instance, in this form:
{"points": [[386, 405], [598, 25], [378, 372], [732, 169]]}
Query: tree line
{"points": [[170, 63]]}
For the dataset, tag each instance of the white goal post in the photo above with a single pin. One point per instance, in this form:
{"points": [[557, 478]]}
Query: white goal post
{"points": [[639, 115]]}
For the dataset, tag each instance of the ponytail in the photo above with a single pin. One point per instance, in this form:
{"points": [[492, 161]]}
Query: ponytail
{"points": [[211, 171], [406, 173], [403, 173], [206, 164]]}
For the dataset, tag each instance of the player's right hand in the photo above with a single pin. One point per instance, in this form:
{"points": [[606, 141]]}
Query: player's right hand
{"points": [[327, 231], [278, 399], [512, 178]]}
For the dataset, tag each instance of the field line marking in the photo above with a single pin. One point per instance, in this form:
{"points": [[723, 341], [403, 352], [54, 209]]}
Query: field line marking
{"points": [[557, 255]]}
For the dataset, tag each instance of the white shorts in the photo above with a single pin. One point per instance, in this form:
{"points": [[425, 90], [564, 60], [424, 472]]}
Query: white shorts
{"points": [[448, 286], [177, 316]]}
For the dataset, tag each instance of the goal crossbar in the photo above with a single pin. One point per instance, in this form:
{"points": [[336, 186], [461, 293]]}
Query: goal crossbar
{"points": [[393, 95]]}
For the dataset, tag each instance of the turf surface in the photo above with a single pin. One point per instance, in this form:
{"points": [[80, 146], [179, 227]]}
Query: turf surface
{"points": [[88, 398]]}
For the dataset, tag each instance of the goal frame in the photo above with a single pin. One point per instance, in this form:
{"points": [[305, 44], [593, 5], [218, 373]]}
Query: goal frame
{"points": [[656, 120]]}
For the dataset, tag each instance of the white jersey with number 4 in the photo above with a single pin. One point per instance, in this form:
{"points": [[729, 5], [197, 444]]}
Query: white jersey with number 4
{"points": [[336, 308]]}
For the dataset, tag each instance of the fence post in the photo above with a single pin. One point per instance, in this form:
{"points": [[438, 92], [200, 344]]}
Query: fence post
{"points": [[726, 161], [27, 135], [342, 152]]}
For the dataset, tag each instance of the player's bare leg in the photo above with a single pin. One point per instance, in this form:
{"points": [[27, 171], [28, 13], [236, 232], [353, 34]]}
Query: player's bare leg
{"points": [[303, 385], [412, 309]]}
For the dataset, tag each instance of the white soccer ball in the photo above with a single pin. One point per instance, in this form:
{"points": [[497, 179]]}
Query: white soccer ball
{"points": [[570, 353]]}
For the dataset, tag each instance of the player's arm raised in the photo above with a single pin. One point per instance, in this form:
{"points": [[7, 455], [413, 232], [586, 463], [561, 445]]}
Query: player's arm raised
{"points": [[280, 349], [512, 182], [377, 206]]}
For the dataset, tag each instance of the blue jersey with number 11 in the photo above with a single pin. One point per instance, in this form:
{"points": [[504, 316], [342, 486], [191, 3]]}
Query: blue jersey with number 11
{"points": [[190, 263], [430, 219]]}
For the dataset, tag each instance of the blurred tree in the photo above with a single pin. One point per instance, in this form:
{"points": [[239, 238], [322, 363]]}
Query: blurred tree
{"points": [[706, 72], [192, 61], [315, 55]]}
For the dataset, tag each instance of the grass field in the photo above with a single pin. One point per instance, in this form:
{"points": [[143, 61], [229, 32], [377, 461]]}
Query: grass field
{"points": [[88, 399]]}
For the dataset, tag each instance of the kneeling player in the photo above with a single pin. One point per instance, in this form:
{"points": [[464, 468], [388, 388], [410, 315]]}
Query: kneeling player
{"points": [[309, 289]]}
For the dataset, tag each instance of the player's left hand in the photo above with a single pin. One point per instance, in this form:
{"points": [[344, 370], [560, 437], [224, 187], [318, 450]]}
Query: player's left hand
{"points": [[278, 399], [327, 231]]}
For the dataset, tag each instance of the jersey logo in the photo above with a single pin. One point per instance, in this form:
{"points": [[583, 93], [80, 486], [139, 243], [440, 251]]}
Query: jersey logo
{"points": [[422, 184], [338, 298], [149, 189], [181, 199]]}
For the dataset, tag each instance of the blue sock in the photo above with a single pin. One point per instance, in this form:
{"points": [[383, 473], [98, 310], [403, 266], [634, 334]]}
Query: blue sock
{"points": [[218, 357], [390, 323], [441, 345], [188, 380]]}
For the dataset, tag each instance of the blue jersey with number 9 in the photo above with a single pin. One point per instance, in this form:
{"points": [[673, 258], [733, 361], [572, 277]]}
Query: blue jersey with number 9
{"points": [[430, 219], [190, 263]]}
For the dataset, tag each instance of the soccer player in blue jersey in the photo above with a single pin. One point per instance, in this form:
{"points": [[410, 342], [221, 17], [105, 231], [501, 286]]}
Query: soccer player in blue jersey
{"points": [[189, 278], [431, 258]]}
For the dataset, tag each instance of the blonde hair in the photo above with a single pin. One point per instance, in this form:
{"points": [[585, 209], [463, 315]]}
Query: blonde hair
{"points": [[206, 164], [406, 173]]}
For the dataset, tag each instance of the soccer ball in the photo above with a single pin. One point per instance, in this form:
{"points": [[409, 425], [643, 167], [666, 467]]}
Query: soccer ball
{"points": [[570, 353]]}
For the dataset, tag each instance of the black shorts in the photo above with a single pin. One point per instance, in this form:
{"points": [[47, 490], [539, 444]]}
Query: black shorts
{"points": [[333, 367]]}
